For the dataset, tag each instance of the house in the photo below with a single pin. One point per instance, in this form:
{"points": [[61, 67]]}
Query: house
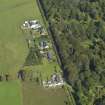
{"points": [[43, 32], [55, 81], [32, 24], [43, 45]]}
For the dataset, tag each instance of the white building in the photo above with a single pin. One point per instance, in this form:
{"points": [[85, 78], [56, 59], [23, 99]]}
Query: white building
{"points": [[53, 82], [32, 24]]}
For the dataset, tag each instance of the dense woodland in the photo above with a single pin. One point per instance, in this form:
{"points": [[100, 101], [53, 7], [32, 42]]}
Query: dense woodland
{"points": [[78, 28]]}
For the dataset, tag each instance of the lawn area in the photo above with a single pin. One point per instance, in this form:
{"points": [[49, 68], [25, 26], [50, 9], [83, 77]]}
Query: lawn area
{"points": [[10, 93], [36, 95], [46, 68], [13, 48]]}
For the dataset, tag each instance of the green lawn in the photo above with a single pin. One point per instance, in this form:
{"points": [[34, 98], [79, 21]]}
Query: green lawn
{"points": [[13, 48], [10, 93]]}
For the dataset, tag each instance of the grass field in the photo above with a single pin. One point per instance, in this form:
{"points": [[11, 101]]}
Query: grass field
{"points": [[42, 96], [13, 48], [13, 51], [10, 93]]}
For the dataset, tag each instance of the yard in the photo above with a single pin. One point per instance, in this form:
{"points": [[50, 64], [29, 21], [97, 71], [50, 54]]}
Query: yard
{"points": [[45, 67]]}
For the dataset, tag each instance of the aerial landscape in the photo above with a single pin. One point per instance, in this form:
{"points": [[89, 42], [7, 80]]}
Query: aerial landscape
{"points": [[52, 52]]}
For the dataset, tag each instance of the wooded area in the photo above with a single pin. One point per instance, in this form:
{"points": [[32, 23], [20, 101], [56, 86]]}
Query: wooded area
{"points": [[78, 28]]}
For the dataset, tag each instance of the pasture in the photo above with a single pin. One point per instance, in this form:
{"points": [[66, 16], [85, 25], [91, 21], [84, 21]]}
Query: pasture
{"points": [[36, 95], [10, 93], [13, 48]]}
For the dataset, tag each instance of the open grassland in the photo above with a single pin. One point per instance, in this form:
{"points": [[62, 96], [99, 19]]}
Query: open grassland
{"points": [[13, 48], [36, 95], [10, 93]]}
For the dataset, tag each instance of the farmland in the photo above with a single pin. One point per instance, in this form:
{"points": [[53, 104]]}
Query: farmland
{"points": [[41, 96], [13, 49], [10, 93], [13, 53]]}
